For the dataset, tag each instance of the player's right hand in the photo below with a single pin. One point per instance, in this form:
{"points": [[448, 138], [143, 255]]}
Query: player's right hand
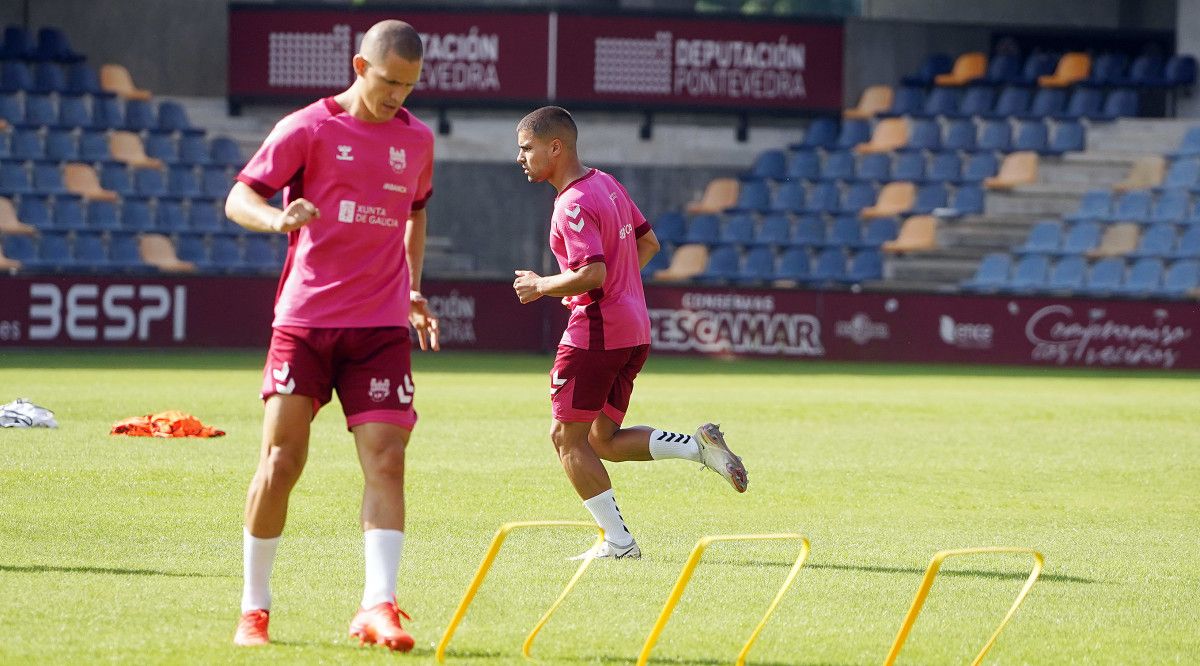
{"points": [[297, 214]]}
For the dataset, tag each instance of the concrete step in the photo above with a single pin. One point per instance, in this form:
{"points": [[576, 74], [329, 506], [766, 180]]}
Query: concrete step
{"points": [[999, 220], [1089, 173], [1042, 201], [911, 286], [930, 269], [994, 239]]}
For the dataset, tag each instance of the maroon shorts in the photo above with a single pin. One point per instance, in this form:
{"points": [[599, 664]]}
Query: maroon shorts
{"points": [[369, 367], [585, 382]]}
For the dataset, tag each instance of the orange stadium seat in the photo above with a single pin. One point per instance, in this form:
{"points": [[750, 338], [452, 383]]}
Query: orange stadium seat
{"points": [[873, 100], [1072, 68], [889, 134], [719, 194], [157, 250], [9, 222], [894, 198], [918, 234], [1118, 240], [1146, 172], [127, 147], [1019, 168], [967, 68], [82, 180], [116, 79], [687, 262]]}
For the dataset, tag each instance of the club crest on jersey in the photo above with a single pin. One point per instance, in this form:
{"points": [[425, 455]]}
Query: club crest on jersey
{"points": [[344, 153], [397, 159], [380, 389], [572, 212]]}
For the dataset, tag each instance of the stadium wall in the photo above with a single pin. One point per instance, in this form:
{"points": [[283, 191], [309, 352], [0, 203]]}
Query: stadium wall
{"points": [[84, 311]]}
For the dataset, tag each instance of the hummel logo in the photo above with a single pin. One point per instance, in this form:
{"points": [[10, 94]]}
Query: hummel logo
{"points": [[406, 393], [573, 212], [344, 153], [672, 436], [556, 383], [282, 374]]}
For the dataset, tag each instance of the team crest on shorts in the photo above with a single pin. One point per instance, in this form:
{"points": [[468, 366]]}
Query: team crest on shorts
{"points": [[380, 389]]}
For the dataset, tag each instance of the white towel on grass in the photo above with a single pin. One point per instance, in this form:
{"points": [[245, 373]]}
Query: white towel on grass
{"points": [[21, 413]]}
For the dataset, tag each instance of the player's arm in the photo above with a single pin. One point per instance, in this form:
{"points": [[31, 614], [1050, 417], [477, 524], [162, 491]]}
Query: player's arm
{"points": [[530, 286], [251, 210], [647, 247], [420, 315]]}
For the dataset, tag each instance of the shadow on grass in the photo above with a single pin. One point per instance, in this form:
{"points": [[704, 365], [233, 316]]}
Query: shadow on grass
{"points": [[452, 655], [1000, 575], [45, 568]]}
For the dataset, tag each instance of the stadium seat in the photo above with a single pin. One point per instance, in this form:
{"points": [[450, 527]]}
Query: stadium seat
{"points": [[670, 227], [1189, 244], [889, 134], [877, 232], [53, 253], [10, 223], [115, 176], [68, 214], [769, 164], [1120, 103], [82, 80], [181, 182], [139, 116], [1003, 69], [1043, 238], [10, 266], [72, 112], [1047, 103], [994, 135], [753, 196], [845, 232], [81, 179], [839, 165], [1013, 101], [18, 44], [1158, 241], [1171, 207], [930, 197], [979, 167], [738, 230], [1036, 66], [90, 253], [161, 146], [1118, 240], [703, 229], [158, 251], [935, 63], [873, 168], [115, 79], [150, 182], [923, 135], [102, 215], [1184, 173], [1107, 70], [908, 166], [1028, 275], [259, 253], [204, 216], [61, 146], [917, 234], [40, 111], [127, 147], [1080, 238], [960, 135], [1084, 103], [804, 165], [905, 100], [215, 182], [124, 253], [968, 67], [793, 267], [687, 261], [976, 101], [135, 214], [1179, 72], [757, 267], [895, 198], [47, 179], [939, 102], [787, 198], [1146, 172], [14, 179], [22, 249], [873, 100], [192, 247], [1131, 207], [852, 133], [225, 152], [1069, 137], [26, 144], [1143, 278], [821, 133], [1189, 146], [1072, 68], [53, 45], [1104, 277], [776, 230], [93, 146], [810, 232], [12, 110], [169, 216], [107, 113], [658, 262], [857, 197], [48, 77], [719, 194], [1017, 169], [865, 265], [829, 266], [33, 213], [15, 76], [722, 265], [1095, 205], [968, 200], [944, 167], [824, 197], [172, 117], [1032, 135], [1181, 280], [226, 254], [1066, 276]]}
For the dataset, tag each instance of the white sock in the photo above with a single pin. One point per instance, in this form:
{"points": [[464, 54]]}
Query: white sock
{"points": [[603, 508], [258, 555], [382, 554], [665, 444]]}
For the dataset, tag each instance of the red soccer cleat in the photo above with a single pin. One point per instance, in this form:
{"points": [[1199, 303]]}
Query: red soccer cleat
{"points": [[380, 624], [252, 628]]}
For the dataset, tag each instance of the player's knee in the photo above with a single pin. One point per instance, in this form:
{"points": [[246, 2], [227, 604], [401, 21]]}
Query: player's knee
{"points": [[562, 438], [282, 467], [388, 463], [603, 446]]}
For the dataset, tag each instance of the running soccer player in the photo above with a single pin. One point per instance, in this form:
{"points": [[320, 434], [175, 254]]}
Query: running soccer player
{"points": [[357, 168], [601, 242]]}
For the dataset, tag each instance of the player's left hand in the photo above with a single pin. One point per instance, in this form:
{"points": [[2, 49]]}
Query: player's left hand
{"points": [[526, 286], [424, 321]]}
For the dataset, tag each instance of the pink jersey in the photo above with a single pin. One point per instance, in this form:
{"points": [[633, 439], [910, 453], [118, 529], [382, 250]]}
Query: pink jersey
{"points": [[595, 220], [347, 268]]}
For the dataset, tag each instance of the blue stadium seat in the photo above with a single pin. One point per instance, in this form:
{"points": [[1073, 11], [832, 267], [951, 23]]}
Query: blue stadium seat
{"points": [[54, 252], [1120, 103], [858, 196], [995, 135], [978, 100], [1032, 135], [1189, 244], [215, 182], [1003, 69], [839, 165], [905, 100], [1133, 206], [753, 196], [172, 117], [1069, 137], [878, 232], [169, 216], [48, 179], [909, 166], [1182, 278], [115, 176], [225, 152], [124, 254], [53, 45], [1189, 146], [1158, 241], [978, 167], [1029, 274], [830, 266], [793, 265], [150, 182], [1044, 238], [945, 167], [192, 247], [135, 214], [226, 253], [935, 63], [1013, 101], [1184, 173], [26, 144], [776, 230], [1067, 275], [768, 164], [821, 133], [1080, 237], [670, 227], [757, 266], [35, 210], [203, 216], [1095, 205], [73, 112], [1047, 102], [1171, 207], [93, 146], [139, 115], [15, 76], [866, 264], [260, 255], [68, 214], [722, 265], [82, 80], [161, 146], [703, 229], [804, 165], [181, 182], [90, 253], [788, 197], [12, 109], [1108, 69], [941, 101], [930, 196], [874, 167], [14, 179], [810, 231], [1179, 72], [1104, 277], [738, 230], [1143, 279], [21, 248], [18, 44], [960, 135], [924, 135], [1036, 65], [102, 215], [846, 232], [1144, 68], [106, 112], [40, 111], [48, 77], [824, 197], [853, 132], [61, 146], [661, 260], [969, 200]]}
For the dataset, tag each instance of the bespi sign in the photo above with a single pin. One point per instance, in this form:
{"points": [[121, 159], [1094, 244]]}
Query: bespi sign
{"points": [[114, 312]]}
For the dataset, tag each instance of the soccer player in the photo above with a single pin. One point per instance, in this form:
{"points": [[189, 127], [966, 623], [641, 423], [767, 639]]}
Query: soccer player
{"points": [[601, 242], [357, 168]]}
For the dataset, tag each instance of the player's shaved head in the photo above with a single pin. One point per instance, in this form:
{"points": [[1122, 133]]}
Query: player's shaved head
{"points": [[391, 36], [551, 122]]}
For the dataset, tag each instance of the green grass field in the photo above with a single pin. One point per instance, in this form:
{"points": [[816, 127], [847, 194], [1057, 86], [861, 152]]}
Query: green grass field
{"points": [[129, 550]]}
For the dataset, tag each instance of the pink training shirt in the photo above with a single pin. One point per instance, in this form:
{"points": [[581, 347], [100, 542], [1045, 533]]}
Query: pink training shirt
{"points": [[595, 220], [347, 268]]}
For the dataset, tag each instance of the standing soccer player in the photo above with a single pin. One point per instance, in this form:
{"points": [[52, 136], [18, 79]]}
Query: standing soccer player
{"points": [[358, 169], [601, 242]]}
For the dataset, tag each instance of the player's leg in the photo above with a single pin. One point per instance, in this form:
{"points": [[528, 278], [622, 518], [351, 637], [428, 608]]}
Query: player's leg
{"points": [[375, 386]]}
